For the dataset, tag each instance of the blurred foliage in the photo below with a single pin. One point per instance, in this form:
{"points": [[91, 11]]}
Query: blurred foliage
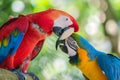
{"points": [[99, 22]]}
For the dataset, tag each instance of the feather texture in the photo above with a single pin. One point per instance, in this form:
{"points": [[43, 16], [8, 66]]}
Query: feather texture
{"points": [[110, 65], [94, 63], [20, 43], [11, 36], [22, 38]]}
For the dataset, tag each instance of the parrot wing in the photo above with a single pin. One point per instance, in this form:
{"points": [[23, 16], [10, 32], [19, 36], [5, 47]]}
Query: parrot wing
{"points": [[11, 35], [110, 65], [37, 49]]}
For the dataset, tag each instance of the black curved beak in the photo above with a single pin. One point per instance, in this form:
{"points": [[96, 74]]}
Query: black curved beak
{"points": [[59, 31], [58, 42], [62, 34], [62, 46]]}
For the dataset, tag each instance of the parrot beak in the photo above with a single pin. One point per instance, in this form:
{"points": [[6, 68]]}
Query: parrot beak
{"points": [[62, 33]]}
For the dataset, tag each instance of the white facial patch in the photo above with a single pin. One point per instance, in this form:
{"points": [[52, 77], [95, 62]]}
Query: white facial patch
{"points": [[71, 52], [63, 21]]}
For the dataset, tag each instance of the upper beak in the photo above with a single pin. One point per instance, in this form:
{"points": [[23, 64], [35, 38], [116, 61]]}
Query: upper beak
{"points": [[63, 33]]}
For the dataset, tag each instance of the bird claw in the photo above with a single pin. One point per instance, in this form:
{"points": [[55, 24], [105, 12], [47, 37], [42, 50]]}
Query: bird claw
{"points": [[19, 74], [34, 77]]}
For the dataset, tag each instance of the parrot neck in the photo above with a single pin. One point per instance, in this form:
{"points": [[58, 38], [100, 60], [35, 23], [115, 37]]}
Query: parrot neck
{"points": [[89, 68], [42, 21], [92, 52], [34, 35]]}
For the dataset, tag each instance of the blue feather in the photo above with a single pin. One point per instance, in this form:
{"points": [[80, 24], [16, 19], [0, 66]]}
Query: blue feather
{"points": [[109, 64], [12, 34], [92, 52], [13, 44]]}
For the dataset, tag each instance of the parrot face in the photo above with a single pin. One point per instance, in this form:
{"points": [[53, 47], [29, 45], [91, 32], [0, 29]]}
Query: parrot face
{"points": [[61, 27], [64, 25], [70, 46], [57, 21]]}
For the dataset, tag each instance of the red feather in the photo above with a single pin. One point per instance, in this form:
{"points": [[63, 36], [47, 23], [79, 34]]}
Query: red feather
{"points": [[26, 48], [37, 49], [21, 23], [33, 39]]}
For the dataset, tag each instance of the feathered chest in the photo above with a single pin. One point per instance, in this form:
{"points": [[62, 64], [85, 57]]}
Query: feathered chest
{"points": [[89, 67], [28, 45]]}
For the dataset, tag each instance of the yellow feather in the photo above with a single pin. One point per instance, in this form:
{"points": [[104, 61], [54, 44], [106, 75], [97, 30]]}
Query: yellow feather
{"points": [[90, 68], [5, 42], [15, 33], [0, 43]]}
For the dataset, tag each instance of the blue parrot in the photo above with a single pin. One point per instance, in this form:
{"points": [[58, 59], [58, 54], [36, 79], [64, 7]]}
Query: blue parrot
{"points": [[94, 64]]}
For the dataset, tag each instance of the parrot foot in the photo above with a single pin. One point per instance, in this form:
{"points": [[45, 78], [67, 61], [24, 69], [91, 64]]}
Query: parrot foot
{"points": [[19, 74], [32, 75]]}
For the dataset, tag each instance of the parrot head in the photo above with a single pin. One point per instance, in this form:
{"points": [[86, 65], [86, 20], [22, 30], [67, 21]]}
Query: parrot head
{"points": [[57, 21], [70, 47], [74, 42]]}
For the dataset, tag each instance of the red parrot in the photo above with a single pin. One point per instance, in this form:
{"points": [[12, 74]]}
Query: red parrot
{"points": [[22, 38]]}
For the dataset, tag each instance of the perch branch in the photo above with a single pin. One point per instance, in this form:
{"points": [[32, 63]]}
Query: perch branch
{"points": [[8, 75]]}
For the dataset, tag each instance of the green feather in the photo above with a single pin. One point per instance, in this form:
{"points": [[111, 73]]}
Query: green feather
{"points": [[76, 37]]}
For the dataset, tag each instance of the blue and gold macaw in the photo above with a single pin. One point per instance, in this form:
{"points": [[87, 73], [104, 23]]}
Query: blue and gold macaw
{"points": [[94, 64]]}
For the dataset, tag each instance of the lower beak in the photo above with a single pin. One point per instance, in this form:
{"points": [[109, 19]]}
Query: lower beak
{"points": [[62, 33]]}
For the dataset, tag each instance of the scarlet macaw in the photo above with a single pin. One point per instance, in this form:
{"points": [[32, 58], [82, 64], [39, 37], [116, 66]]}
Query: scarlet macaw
{"points": [[94, 64], [22, 38]]}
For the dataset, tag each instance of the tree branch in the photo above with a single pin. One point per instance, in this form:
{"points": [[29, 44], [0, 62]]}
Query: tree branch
{"points": [[8, 75]]}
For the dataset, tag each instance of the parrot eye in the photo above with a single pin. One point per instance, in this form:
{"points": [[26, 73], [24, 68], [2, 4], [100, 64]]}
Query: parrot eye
{"points": [[73, 42], [66, 19], [63, 21]]}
